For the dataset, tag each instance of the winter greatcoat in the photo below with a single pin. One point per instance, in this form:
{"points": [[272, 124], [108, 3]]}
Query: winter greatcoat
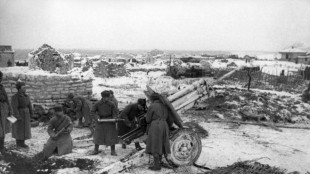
{"points": [[82, 108], [5, 109], [63, 142], [129, 114], [105, 133], [22, 110], [158, 132]]}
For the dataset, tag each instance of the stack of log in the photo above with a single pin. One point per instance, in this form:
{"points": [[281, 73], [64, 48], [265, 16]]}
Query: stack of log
{"points": [[187, 97]]}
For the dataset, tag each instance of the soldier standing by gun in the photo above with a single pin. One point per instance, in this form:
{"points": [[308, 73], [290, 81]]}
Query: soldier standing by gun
{"points": [[5, 111], [158, 132], [130, 114], [105, 132], [22, 108], [60, 141]]}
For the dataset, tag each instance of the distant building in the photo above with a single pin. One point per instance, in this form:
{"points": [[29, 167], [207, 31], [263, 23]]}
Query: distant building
{"points": [[6, 56], [295, 55], [249, 59]]}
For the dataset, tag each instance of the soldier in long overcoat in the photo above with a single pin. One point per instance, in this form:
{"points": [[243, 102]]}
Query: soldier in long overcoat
{"points": [[5, 111], [158, 132], [22, 110], [130, 114], [105, 132], [59, 129], [82, 109]]}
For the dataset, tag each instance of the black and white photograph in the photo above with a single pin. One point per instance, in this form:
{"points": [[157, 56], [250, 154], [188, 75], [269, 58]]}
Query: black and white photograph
{"points": [[155, 86]]}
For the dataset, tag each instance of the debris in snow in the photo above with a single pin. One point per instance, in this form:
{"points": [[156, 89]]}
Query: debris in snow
{"points": [[248, 167]]}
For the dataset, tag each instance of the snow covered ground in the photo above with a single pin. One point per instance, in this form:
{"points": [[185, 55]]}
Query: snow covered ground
{"points": [[272, 67]]}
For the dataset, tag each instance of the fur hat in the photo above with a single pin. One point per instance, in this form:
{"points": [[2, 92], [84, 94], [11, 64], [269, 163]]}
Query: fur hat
{"points": [[105, 94], [19, 84], [71, 96], [58, 109], [142, 101]]}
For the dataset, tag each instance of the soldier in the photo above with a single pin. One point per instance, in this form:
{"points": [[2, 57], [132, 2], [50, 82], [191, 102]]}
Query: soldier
{"points": [[82, 109], [59, 129], [5, 111], [105, 132], [158, 132], [130, 114], [22, 109]]}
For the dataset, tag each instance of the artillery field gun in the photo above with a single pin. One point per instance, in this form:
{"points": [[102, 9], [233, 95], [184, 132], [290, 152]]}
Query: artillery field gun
{"points": [[185, 141]]}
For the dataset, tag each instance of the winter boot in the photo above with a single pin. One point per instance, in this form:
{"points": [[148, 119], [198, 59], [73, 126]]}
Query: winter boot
{"points": [[138, 147], [18, 143], [113, 153], [157, 165], [2, 145], [23, 145], [96, 150]]}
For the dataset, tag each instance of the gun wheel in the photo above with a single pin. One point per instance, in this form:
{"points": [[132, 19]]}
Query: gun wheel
{"points": [[185, 147]]}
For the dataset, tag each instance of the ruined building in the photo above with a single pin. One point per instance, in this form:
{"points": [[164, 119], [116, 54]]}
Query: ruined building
{"points": [[6, 56], [49, 59]]}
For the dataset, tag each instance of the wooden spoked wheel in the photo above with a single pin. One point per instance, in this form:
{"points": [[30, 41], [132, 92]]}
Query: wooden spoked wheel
{"points": [[185, 147]]}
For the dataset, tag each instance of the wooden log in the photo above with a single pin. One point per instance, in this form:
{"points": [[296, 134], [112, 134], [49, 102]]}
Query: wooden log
{"points": [[187, 107], [123, 164], [186, 90], [185, 98], [193, 99], [228, 74]]}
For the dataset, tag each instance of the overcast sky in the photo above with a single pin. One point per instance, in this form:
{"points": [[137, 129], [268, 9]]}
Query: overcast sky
{"points": [[265, 25]]}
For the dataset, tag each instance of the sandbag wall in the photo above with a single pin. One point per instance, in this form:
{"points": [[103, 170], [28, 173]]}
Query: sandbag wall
{"points": [[50, 90], [106, 69]]}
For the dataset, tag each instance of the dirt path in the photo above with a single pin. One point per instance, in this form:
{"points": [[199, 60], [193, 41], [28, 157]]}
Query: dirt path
{"points": [[228, 143]]}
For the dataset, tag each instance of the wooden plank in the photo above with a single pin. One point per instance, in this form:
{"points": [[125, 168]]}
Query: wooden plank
{"points": [[185, 98]]}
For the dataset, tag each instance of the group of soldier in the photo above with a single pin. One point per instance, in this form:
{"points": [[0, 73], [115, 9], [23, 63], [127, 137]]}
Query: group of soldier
{"points": [[104, 132]]}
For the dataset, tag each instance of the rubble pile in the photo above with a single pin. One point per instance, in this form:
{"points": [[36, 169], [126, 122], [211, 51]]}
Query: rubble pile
{"points": [[109, 69], [248, 167], [240, 104], [49, 59]]}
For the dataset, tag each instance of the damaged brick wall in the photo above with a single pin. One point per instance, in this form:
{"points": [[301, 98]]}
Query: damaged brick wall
{"points": [[48, 90], [106, 69]]}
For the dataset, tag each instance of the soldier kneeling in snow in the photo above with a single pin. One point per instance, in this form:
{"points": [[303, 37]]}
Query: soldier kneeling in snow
{"points": [[60, 141]]}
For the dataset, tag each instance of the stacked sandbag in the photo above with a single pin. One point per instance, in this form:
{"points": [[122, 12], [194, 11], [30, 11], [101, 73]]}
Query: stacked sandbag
{"points": [[48, 90]]}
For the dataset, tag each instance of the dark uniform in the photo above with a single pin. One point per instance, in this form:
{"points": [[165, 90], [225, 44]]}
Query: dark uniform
{"points": [[22, 109], [130, 114], [105, 132], [82, 108], [158, 132], [5, 111], [63, 142]]}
